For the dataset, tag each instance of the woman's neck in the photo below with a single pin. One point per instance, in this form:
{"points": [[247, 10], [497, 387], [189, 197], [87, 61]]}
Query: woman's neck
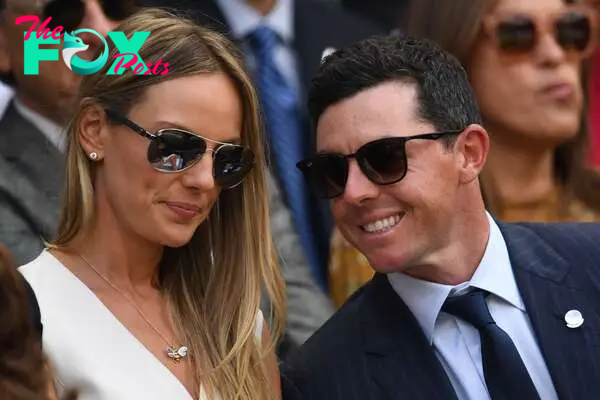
{"points": [[518, 175], [117, 253]]}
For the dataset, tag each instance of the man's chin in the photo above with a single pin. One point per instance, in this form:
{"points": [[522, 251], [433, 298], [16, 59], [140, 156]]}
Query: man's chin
{"points": [[384, 263]]}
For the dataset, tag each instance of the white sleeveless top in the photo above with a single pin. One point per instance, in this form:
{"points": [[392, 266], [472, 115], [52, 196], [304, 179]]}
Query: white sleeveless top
{"points": [[88, 347]]}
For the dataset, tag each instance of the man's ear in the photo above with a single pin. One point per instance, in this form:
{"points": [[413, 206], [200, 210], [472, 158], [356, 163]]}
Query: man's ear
{"points": [[93, 130], [473, 145]]}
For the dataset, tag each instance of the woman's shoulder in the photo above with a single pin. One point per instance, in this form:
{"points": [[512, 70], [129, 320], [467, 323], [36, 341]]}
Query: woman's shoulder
{"points": [[44, 258], [42, 274]]}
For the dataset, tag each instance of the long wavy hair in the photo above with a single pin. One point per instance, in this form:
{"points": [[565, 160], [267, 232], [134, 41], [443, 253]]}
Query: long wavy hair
{"points": [[457, 25], [214, 283]]}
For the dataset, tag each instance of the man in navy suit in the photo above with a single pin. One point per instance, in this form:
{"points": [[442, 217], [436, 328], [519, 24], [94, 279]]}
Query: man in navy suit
{"points": [[461, 306]]}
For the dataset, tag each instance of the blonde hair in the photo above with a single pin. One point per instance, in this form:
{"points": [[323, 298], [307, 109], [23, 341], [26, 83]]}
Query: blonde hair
{"points": [[214, 283]]}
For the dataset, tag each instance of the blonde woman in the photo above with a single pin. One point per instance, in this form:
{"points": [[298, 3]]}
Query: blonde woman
{"points": [[152, 287]]}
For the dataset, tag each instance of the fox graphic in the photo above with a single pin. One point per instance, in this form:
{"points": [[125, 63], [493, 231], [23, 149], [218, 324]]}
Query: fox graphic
{"points": [[73, 45]]}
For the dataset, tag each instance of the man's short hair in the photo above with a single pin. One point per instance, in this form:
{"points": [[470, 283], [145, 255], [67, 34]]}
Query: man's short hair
{"points": [[446, 99]]}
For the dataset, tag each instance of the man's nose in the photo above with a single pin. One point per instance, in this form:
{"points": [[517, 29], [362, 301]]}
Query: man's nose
{"points": [[358, 188]]}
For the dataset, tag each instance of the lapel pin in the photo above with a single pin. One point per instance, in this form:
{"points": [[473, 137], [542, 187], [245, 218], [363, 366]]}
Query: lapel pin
{"points": [[574, 319]]}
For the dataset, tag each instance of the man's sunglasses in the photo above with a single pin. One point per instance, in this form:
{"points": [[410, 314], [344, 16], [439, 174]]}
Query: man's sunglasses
{"points": [[574, 29], [383, 161], [70, 13], [176, 150]]}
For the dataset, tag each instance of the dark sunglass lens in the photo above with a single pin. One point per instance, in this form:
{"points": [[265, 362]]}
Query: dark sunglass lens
{"points": [[231, 164], [65, 13], [516, 34], [118, 10], [326, 174], [383, 161], [175, 150], [574, 31]]}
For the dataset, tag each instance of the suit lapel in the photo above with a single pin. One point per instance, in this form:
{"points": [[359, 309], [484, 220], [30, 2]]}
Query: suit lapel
{"points": [[399, 358], [35, 168], [548, 289]]}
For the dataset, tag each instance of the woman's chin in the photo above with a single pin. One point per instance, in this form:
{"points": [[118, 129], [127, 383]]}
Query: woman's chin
{"points": [[174, 237]]}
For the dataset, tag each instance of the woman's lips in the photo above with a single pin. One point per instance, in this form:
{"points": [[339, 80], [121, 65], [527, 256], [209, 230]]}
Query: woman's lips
{"points": [[559, 91], [184, 211]]}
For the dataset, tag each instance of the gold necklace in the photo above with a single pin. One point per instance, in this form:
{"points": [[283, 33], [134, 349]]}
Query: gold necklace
{"points": [[173, 352]]}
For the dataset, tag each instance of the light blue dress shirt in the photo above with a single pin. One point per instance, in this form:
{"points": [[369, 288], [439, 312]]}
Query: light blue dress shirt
{"points": [[455, 342]]}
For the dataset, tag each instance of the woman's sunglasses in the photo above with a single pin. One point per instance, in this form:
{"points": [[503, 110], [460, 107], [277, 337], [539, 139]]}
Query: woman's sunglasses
{"points": [[574, 29], [176, 150], [383, 161], [70, 13]]}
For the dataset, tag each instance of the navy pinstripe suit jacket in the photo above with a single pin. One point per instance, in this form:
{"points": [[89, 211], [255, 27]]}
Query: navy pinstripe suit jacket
{"points": [[373, 347]]}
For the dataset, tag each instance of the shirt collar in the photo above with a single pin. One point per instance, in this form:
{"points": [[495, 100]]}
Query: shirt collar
{"points": [[493, 274], [243, 19], [51, 130]]}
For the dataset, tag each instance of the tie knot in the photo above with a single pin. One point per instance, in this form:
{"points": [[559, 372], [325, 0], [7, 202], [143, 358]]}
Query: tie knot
{"points": [[263, 40], [470, 307]]}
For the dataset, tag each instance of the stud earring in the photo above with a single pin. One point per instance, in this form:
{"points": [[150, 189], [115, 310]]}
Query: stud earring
{"points": [[93, 156]]}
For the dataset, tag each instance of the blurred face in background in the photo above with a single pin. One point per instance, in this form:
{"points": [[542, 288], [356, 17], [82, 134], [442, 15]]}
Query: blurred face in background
{"points": [[51, 92], [525, 70]]}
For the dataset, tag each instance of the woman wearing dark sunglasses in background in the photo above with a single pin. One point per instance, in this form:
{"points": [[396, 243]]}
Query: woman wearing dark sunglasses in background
{"points": [[524, 60], [152, 288]]}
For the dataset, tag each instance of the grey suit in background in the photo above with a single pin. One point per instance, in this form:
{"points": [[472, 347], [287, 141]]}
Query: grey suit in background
{"points": [[31, 176], [308, 306]]}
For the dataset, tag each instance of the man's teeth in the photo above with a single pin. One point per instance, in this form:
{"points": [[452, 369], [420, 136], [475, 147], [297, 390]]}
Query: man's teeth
{"points": [[382, 225]]}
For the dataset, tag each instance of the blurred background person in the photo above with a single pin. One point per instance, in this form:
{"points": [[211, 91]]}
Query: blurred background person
{"points": [[22, 372], [594, 100], [6, 88], [525, 64], [524, 61], [164, 245], [308, 307], [31, 128]]}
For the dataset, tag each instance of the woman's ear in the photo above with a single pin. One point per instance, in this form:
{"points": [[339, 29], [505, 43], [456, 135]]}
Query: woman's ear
{"points": [[93, 131]]}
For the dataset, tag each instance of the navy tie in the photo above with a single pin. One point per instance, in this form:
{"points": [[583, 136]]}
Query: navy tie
{"points": [[284, 128], [505, 374]]}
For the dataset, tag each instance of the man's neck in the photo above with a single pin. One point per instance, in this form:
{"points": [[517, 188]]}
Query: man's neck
{"points": [[464, 248], [262, 6]]}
